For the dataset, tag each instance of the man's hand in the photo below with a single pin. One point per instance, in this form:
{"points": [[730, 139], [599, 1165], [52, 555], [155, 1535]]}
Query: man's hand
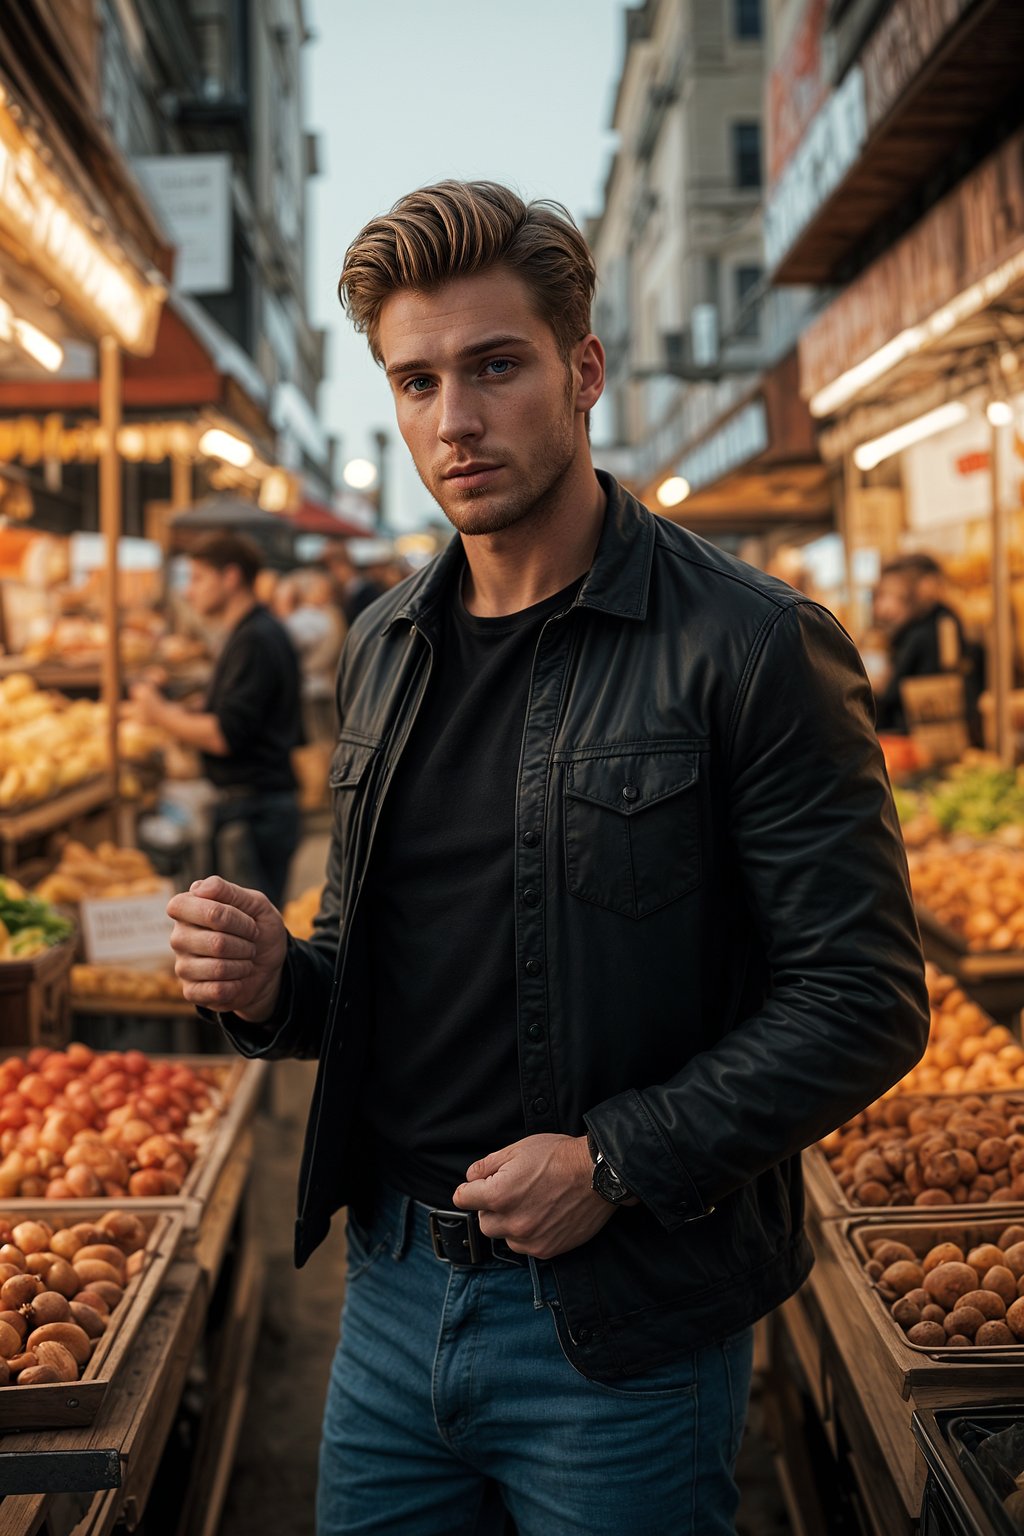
{"points": [[537, 1195], [230, 943], [148, 703]]}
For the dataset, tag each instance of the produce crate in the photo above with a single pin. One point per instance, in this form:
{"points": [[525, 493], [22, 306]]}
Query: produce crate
{"points": [[915, 1369], [963, 1501], [829, 1200], [241, 1083], [49, 1405], [35, 998]]}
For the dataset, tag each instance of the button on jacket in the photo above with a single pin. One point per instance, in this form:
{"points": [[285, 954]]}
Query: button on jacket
{"points": [[716, 952]]}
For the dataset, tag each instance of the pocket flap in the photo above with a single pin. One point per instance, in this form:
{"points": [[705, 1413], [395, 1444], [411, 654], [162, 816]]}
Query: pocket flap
{"points": [[349, 763], [629, 782]]}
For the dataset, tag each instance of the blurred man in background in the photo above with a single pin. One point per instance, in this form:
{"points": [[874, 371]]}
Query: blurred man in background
{"points": [[250, 720], [925, 635]]}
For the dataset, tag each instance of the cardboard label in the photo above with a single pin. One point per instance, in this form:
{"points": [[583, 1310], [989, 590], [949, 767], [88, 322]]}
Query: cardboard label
{"points": [[133, 930], [936, 716]]}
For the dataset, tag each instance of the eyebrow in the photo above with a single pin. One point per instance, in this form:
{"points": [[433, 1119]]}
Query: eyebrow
{"points": [[464, 355]]}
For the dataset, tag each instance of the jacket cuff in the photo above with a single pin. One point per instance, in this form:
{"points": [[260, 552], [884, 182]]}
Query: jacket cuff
{"points": [[252, 1039], [645, 1160]]}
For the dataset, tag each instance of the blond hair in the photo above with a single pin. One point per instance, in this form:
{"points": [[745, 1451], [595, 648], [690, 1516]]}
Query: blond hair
{"points": [[458, 228]]}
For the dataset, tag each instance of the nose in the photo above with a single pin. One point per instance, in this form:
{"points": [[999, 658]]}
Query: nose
{"points": [[459, 418]]}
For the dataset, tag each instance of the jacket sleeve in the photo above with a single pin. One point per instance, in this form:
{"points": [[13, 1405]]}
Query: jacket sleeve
{"points": [[822, 864]]}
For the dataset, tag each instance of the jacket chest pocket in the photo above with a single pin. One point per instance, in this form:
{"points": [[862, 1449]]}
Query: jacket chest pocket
{"points": [[347, 779], [632, 829]]}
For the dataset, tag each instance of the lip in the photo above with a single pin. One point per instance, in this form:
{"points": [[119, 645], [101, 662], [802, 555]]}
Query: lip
{"points": [[470, 476]]}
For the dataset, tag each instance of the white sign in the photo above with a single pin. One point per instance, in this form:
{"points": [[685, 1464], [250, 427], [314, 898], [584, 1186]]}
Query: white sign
{"points": [[122, 931], [948, 479], [192, 195], [826, 152]]}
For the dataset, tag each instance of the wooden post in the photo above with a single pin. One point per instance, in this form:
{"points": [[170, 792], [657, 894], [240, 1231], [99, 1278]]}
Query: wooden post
{"points": [[110, 528], [1001, 676], [181, 483]]}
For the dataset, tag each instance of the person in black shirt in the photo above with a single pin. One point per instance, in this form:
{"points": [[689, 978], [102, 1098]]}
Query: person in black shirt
{"points": [[926, 638], [250, 722]]}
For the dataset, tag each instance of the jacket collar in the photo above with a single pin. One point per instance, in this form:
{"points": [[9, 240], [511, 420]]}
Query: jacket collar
{"points": [[618, 580]]}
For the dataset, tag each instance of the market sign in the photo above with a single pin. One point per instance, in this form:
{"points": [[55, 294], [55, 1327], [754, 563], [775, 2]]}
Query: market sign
{"points": [[831, 145], [132, 930], [796, 88], [900, 46], [960, 258], [37, 216], [192, 195]]}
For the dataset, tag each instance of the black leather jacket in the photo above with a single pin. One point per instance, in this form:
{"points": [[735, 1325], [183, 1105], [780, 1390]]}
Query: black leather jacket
{"points": [[716, 951]]}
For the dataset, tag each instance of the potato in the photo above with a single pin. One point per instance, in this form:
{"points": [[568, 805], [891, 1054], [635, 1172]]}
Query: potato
{"points": [[992, 1154], [32, 1236], [19, 1290], [69, 1334], [49, 1307], [125, 1229], [16, 1321], [107, 1290], [89, 1298], [87, 1318], [940, 1170], [933, 1313], [906, 1313], [10, 1341], [942, 1253], [59, 1358], [1015, 1317], [91, 1270], [994, 1333], [989, 1303], [928, 1334], [933, 1196], [984, 1256], [959, 1341], [873, 1193], [37, 1376], [1013, 1258], [9, 1254], [1010, 1237], [888, 1252], [1000, 1280], [919, 1296], [65, 1244], [946, 1283], [902, 1277], [61, 1277], [965, 1320], [106, 1253]]}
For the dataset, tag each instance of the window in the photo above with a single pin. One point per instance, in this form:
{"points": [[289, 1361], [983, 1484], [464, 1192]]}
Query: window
{"points": [[748, 322], [747, 15], [746, 154]]}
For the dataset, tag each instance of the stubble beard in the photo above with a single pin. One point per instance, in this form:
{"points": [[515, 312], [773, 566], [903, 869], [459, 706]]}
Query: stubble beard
{"points": [[531, 500]]}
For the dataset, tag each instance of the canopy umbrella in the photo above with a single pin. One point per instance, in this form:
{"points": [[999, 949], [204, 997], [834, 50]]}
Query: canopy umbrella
{"points": [[272, 531]]}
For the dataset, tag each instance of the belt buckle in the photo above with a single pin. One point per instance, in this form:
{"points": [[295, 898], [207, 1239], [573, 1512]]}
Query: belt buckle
{"points": [[474, 1239]]}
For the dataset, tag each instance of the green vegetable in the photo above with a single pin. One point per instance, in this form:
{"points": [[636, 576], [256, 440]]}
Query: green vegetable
{"points": [[18, 913], [978, 800]]}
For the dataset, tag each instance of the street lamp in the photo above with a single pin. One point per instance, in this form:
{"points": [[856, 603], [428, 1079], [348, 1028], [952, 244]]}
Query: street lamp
{"points": [[360, 474]]}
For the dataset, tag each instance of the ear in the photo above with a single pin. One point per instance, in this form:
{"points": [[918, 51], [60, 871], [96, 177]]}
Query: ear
{"points": [[588, 359]]}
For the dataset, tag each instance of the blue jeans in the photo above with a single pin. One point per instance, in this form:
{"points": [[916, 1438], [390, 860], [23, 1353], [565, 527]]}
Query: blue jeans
{"points": [[450, 1382]]}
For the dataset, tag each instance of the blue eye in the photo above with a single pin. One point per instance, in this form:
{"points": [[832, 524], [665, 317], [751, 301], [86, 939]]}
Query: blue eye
{"points": [[412, 383], [502, 365]]}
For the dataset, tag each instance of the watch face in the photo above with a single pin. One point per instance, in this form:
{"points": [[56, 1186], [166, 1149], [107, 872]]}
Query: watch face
{"points": [[608, 1183]]}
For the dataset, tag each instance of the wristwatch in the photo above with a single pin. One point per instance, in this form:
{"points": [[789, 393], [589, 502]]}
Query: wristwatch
{"points": [[606, 1181]]}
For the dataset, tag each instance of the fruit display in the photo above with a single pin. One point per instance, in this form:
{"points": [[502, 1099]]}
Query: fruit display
{"points": [[125, 984], [105, 871], [28, 925], [946, 1292], [979, 798], [80, 1124], [47, 742], [61, 1283], [931, 1152], [299, 914], [976, 890], [967, 1052]]}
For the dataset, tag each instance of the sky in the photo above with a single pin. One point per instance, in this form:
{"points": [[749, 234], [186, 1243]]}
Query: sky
{"points": [[405, 92]]}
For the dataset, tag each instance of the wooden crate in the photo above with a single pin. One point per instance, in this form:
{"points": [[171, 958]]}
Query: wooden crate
{"points": [[936, 1374], [241, 1085], [829, 1200], [35, 998], [50, 1405]]}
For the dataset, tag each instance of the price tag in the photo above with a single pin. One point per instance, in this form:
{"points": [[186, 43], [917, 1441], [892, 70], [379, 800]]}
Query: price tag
{"points": [[132, 930]]}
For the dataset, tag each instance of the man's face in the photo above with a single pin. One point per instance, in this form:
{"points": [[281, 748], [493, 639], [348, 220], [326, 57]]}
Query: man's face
{"points": [[893, 602], [209, 590], [488, 407]]}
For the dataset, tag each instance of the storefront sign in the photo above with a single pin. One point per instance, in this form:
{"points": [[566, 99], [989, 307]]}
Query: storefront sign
{"points": [[36, 439], [797, 87], [958, 259], [900, 46], [192, 194], [741, 438], [828, 149], [37, 216], [948, 479], [123, 932]]}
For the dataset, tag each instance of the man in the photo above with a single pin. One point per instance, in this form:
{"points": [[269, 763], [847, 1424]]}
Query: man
{"points": [[925, 636], [250, 721], [355, 589], [616, 922]]}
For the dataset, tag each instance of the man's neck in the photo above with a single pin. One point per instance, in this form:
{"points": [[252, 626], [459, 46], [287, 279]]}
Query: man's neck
{"points": [[236, 611], [512, 570]]}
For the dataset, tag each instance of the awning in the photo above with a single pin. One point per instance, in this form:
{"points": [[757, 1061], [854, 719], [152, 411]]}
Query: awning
{"points": [[316, 517]]}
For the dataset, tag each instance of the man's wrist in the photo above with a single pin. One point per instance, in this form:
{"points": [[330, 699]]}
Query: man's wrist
{"points": [[263, 1009]]}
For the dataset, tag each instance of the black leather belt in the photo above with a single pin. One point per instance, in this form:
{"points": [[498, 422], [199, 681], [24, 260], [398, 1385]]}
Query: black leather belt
{"points": [[457, 1239]]}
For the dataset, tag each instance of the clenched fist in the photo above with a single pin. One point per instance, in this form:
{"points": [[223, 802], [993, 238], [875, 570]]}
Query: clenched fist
{"points": [[230, 945]]}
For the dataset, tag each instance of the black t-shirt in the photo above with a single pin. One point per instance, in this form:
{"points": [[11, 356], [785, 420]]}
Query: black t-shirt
{"points": [[443, 1080], [927, 644], [255, 694]]}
